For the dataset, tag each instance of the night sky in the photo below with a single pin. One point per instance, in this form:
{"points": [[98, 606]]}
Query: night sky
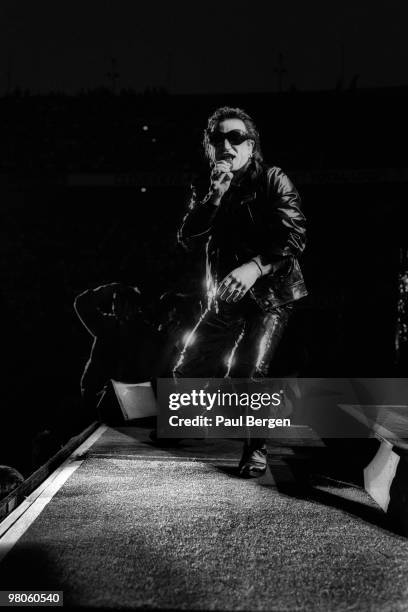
{"points": [[198, 47]]}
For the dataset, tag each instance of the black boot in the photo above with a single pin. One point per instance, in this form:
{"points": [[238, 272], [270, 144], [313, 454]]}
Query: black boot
{"points": [[254, 458]]}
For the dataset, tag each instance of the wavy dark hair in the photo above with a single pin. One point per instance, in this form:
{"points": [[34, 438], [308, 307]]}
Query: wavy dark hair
{"points": [[228, 112]]}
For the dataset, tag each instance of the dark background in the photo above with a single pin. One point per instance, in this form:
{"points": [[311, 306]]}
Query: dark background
{"points": [[203, 47], [102, 112]]}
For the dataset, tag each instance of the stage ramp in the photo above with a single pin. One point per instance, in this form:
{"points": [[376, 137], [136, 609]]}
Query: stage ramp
{"points": [[125, 524]]}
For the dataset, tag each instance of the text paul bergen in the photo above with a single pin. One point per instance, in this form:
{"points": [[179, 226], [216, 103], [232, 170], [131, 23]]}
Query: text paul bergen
{"points": [[220, 421]]}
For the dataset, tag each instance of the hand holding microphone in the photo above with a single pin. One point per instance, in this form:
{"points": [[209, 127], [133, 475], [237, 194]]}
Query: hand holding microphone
{"points": [[221, 177]]}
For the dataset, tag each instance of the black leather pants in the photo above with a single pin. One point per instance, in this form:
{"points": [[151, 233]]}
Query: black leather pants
{"points": [[235, 340]]}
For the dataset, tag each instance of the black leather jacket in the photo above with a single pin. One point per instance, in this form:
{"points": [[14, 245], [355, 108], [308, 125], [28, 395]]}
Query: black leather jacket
{"points": [[260, 214]]}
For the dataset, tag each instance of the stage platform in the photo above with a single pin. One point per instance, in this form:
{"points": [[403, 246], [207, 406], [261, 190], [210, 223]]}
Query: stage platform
{"points": [[123, 523]]}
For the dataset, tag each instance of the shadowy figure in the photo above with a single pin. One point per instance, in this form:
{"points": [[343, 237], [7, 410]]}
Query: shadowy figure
{"points": [[125, 346], [10, 478]]}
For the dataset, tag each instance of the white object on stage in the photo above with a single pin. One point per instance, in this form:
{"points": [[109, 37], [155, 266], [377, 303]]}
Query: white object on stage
{"points": [[379, 474], [136, 400]]}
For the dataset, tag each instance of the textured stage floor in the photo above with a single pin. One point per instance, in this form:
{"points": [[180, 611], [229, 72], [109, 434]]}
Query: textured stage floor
{"points": [[130, 525]]}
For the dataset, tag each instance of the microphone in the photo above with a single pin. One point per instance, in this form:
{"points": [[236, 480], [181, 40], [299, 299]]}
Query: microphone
{"points": [[230, 162], [218, 177]]}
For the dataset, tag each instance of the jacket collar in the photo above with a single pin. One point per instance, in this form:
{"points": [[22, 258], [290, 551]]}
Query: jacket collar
{"points": [[247, 180]]}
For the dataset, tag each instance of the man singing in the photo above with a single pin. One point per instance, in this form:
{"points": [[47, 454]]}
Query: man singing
{"points": [[248, 216]]}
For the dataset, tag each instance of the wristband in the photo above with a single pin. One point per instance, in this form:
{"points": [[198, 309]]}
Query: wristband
{"points": [[259, 267]]}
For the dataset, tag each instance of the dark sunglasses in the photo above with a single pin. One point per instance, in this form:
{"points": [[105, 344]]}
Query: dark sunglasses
{"points": [[234, 137]]}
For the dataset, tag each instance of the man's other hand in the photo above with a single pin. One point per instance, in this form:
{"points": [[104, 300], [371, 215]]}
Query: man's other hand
{"points": [[236, 284]]}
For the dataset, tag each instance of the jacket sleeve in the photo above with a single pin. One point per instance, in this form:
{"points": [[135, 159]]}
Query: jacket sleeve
{"points": [[198, 220], [283, 224]]}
